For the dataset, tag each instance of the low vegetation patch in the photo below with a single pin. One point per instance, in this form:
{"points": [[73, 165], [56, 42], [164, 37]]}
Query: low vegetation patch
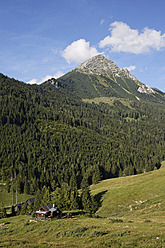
{"points": [[116, 220], [78, 232]]}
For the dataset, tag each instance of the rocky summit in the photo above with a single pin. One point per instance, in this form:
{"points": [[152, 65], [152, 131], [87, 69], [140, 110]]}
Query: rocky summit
{"points": [[100, 65]]}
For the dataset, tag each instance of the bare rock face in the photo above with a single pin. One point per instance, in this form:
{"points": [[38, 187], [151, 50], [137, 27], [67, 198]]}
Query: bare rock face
{"points": [[99, 65]]}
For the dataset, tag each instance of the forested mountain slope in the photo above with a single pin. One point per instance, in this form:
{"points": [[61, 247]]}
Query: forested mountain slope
{"points": [[50, 136]]}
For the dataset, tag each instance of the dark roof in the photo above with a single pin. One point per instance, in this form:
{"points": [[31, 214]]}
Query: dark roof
{"points": [[30, 200], [19, 204], [46, 208], [50, 207]]}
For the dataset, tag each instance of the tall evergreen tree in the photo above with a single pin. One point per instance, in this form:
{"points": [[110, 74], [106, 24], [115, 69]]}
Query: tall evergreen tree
{"points": [[74, 199], [46, 197], [38, 200], [88, 202], [24, 209], [96, 177], [26, 186]]}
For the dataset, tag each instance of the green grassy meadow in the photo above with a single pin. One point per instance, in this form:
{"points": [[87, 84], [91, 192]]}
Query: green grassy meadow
{"points": [[132, 196], [131, 214], [6, 198], [82, 231]]}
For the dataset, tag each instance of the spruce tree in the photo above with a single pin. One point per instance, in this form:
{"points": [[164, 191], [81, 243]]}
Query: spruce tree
{"points": [[24, 208], [74, 199], [66, 194], [58, 198], [73, 180], [26, 186], [46, 198], [96, 177], [88, 202], [37, 202]]}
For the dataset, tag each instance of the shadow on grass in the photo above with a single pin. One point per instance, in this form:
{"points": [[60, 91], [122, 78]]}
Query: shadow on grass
{"points": [[99, 197]]}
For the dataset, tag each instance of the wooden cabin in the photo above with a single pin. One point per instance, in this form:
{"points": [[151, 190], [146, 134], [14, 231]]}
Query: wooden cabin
{"points": [[49, 211]]}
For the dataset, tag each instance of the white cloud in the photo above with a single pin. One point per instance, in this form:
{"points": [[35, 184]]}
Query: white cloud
{"points": [[131, 68], [45, 78], [33, 81], [79, 51], [125, 39], [36, 81], [102, 21]]}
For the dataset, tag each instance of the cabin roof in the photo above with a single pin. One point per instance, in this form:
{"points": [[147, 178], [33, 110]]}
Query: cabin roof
{"points": [[50, 207], [19, 204], [30, 200]]}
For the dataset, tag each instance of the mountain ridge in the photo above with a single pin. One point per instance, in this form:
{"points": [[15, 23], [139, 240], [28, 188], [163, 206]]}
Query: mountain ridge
{"points": [[101, 77], [99, 65]]}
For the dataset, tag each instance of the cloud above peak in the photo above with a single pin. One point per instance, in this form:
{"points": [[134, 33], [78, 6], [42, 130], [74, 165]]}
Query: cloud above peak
{"points": [[79, 51], [125, 39]]}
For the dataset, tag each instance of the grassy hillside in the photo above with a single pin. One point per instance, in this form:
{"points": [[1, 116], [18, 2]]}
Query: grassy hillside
{"points": [[82, 232], [119, 226], [89, 86], [142, 194], [6, 198]]}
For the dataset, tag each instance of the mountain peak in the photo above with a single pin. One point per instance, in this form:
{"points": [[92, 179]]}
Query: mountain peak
{"points": [[101, 77], [96, 65], [100, 65]]}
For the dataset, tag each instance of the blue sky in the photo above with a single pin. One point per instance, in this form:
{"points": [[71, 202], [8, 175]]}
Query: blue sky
{"points": [[41, 39]]}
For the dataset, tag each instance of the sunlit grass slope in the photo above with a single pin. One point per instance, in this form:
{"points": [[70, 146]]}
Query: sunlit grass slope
{"points": [[132, 210], [6, 198], [133, 195]]}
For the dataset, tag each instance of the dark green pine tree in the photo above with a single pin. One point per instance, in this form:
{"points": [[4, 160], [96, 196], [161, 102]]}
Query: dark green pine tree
{"points": [[26, 186], [88, 202], [46, 198], [58, 198], [19, 185], [30, 208], [38, 200], [74, 199], [73, 181], [96, 177], [84, 182], [12, 211], [24, 209], [66, 196]]}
